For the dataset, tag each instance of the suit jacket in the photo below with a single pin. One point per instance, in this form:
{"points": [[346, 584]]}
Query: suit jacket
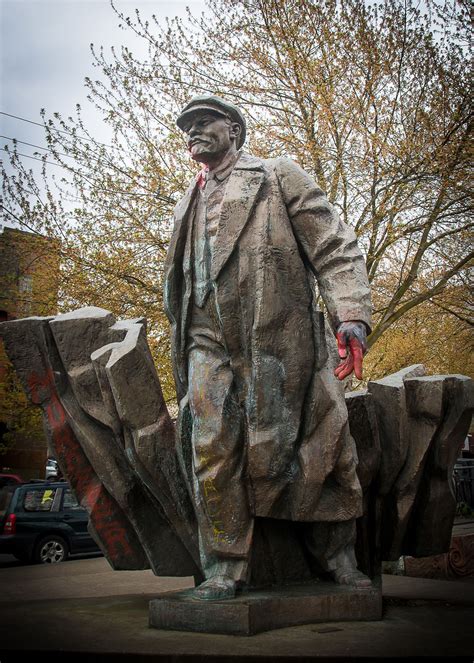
{"points": [[278, 240]]}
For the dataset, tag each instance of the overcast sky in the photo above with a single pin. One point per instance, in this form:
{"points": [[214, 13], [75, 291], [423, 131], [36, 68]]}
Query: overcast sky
{"points": [[45, 56]]}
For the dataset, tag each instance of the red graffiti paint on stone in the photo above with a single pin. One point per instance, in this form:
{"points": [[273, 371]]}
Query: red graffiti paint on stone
{"points": [[109, 523]]}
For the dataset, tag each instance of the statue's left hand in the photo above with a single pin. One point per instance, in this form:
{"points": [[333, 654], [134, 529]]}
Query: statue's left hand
{"points": [[351, 345]]}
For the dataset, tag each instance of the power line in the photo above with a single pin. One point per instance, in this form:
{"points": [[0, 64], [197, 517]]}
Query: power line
{"points": [[39, 147], [61, 131], [46, 149], [124, 193], [51, 163], [38, 124]]}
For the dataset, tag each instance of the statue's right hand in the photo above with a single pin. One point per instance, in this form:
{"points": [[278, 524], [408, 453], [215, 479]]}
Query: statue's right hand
{"points": [[351, 346]]}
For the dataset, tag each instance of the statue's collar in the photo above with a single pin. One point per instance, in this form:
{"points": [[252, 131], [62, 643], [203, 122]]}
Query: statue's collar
{"points": [[249, 162], [237, 161], [225, 168]]}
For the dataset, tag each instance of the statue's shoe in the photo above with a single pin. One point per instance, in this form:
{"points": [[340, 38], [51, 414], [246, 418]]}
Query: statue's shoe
{"points": [[216, 588], [348, 575]]}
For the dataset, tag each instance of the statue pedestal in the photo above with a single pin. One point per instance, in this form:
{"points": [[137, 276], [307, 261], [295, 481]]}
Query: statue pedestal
{"points": [[266, 609]]}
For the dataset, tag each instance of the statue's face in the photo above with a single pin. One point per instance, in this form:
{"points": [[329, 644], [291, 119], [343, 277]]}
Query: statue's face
{"points": [[210, 136]]}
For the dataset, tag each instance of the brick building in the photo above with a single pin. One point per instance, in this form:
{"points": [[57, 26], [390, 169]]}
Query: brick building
{"points": [[29, 276]]}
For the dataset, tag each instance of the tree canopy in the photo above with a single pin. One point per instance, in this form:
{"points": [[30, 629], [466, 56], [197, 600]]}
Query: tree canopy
{"points": [[373, 99]]}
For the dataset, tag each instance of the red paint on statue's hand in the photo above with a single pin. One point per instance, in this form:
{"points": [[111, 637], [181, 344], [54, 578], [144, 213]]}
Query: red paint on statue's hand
{"points": [[351, 346], [352, 362]]}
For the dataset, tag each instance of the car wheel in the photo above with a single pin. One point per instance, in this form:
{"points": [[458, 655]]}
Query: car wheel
{"points": [[51, 550]]}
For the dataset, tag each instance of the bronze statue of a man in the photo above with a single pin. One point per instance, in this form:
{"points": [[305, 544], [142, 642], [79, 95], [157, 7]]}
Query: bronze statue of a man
{"points": [[261, 411]]}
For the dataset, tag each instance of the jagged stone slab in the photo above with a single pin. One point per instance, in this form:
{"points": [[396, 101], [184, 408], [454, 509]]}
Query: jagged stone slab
{"points": [[257, 611], [364, 429], [424, 411], [423, 422], [111, 379], [129, 381], [29, 345], [429, 529], [389, 401], [83, 401]]}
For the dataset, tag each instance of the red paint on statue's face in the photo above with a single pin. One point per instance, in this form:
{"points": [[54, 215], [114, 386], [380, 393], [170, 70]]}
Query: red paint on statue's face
{"points": [[210, 137]]}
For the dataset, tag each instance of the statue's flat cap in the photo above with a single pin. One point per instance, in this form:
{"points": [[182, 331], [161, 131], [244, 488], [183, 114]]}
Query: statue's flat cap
{"points": [[215, 104]]}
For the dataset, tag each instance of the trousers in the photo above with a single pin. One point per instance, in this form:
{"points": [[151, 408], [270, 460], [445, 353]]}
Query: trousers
{"points": [[218, 440], [219, 490]]}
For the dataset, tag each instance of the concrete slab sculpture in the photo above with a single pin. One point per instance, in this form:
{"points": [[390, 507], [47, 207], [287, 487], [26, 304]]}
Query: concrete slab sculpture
{"points": [[258, 493]]}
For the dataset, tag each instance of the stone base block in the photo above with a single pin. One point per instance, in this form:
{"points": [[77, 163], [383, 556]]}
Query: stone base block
{"points": [[263, 610]]}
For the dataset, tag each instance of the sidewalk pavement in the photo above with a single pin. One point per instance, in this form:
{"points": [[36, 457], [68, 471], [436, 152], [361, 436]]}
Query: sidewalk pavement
{"points": [[83, 611]]}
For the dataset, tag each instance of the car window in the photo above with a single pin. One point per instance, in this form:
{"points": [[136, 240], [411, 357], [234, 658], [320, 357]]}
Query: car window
{"points": [[69, 501], [39, 499]]}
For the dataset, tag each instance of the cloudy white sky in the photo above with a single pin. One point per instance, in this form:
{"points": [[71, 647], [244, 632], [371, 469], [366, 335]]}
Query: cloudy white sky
{"points": [[45, 55]]}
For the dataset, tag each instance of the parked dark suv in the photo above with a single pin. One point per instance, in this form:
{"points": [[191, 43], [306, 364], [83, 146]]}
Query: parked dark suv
{"points": [[42, 522]]}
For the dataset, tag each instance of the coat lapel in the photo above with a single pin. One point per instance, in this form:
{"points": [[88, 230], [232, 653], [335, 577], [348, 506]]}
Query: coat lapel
{"points": [[240, 198], [174, 259], [180, 212]]}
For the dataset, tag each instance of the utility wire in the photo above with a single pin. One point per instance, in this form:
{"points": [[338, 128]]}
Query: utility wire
{"points": [[124, 193], [51, 163], [61, 131], [39, 147], [46, 149]]}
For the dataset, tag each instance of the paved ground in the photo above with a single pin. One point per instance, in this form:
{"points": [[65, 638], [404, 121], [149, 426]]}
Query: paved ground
{"points": [[463, 526], [81, 610]]}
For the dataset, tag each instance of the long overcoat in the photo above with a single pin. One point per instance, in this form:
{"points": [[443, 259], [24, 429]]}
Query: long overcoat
{"points": [[277, 238]]}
